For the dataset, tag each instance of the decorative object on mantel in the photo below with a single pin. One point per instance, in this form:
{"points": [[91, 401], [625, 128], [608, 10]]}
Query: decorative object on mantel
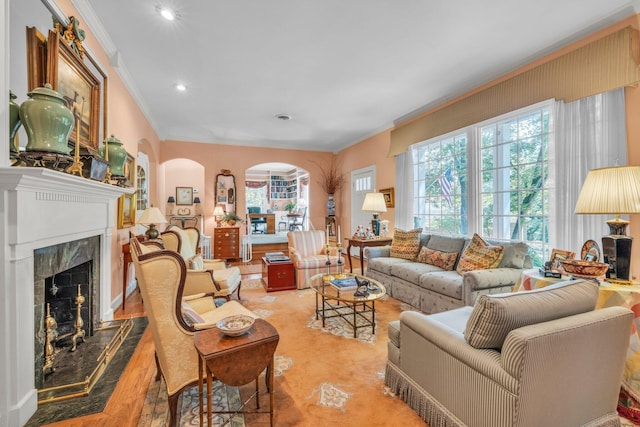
{"points": [[374, 202], [613, 190], [14, 125], [331, 180], [47, 121], [116, 155], [76, 167], [152, 216]]}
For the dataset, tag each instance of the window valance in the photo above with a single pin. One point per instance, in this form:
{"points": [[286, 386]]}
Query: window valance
{"points": [[606, 64]]}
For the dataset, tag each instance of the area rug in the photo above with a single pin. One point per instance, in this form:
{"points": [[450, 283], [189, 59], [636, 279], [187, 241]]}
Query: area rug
{"points": [[321, 377], [155, 412], [96, 401]]}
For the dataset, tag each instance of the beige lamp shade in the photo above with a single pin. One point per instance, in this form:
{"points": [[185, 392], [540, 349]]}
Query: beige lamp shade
{"points": [[218, 211], [614, 190], [374, 202], [152, 215]]}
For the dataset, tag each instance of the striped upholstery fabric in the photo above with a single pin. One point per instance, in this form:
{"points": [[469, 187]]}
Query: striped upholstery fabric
{"points": [[543, 376], [494, 316], [308, 252]]}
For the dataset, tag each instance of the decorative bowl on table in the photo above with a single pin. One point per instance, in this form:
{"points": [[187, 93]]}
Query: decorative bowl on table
{"points": [[234, 326], [578, 267]]}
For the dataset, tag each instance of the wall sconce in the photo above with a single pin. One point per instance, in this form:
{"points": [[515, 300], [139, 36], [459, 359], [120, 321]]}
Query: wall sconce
{"points": [[198, 207], [171, 201]]}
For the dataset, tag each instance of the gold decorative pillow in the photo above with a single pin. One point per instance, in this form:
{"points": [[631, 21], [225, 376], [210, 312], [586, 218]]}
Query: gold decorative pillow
{"points": [[479, 255], [444, 260], [405, 244], [195, 262]]}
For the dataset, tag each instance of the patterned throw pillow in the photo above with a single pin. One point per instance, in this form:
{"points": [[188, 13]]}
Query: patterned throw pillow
{"points": [[479, 255], [444, 260], [405, 244]]}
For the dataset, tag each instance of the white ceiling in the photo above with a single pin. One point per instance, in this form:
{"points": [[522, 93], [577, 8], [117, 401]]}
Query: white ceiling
{"points": [[343, 69]]}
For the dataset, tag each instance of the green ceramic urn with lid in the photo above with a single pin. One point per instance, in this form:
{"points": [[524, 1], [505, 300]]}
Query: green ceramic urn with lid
{"points": [[14, 123], [117, 155], [47, 120]]}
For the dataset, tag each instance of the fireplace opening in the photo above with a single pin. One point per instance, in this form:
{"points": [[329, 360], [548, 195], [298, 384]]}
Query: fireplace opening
{"points": [[68, 301], [58, 270]]}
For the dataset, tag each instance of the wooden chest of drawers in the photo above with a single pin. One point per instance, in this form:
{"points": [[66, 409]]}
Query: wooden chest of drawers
{"points": [[226, 242]]}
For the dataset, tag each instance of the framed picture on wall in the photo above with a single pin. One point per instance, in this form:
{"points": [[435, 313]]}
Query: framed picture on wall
{"points": [[388, 197], [184, 196], [127, 210], [75, 82]]}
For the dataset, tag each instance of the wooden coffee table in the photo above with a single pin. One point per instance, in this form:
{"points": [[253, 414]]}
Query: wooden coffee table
{"points": [[236, 361], [333, 302]]}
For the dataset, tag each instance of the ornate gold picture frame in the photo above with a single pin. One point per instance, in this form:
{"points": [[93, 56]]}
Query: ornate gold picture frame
{"points": [[127, 210], [69, 75]]}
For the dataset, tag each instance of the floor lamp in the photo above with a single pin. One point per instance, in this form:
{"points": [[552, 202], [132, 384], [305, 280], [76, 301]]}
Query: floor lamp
{"points": [[614, 190]]}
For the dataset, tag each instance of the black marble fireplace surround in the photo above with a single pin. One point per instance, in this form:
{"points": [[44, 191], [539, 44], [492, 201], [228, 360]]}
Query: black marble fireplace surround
{"points": [[66, 265]]}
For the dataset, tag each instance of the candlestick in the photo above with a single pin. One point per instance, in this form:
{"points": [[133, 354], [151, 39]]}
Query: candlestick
{"points": [[339, 239], [327, 235]]}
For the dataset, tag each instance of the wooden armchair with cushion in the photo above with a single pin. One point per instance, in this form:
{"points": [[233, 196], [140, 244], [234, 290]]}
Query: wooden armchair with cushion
{"points": [[307, 250], [204, 276], [173, 319]]}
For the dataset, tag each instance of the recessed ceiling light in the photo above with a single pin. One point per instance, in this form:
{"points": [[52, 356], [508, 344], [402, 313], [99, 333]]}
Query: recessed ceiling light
{"points": [[166, 13], [181, 87], [283, 117]]}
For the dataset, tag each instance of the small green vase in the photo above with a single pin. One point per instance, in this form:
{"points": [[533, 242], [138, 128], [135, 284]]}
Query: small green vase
{"points": [[14, 123], [117, 155], [47, 120]]}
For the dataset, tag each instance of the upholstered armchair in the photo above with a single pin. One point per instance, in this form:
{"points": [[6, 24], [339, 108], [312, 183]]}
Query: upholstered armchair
{"points": [[307, 250], [203, 275], [173, 319]]}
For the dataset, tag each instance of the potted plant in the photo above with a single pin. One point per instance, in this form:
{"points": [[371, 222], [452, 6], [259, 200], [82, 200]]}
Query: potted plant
{"points": [[289, 207], [231, 218]]}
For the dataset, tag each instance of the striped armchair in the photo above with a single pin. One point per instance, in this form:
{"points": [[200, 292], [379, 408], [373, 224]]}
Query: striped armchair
{"points": [[308, 252]]}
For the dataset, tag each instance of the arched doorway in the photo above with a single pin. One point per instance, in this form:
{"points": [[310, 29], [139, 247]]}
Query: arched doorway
{"points": [[276, 188]]}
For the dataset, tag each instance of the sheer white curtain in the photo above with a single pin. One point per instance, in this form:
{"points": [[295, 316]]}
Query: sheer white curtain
{"points": [[589, 133], [404, 191]]}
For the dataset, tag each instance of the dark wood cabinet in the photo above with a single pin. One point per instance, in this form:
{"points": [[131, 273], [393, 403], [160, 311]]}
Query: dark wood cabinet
{"points": [[226, 242], [278, 276]]}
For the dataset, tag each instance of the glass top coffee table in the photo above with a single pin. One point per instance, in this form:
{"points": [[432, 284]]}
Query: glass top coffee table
{"points": [[351, 297]]}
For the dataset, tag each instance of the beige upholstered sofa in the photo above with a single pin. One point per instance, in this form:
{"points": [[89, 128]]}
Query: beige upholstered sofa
{"points": [[431, 288], [538, 358]]}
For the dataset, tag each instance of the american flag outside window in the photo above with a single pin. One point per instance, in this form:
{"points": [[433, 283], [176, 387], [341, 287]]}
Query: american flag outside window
{"points": [[445, 183]]}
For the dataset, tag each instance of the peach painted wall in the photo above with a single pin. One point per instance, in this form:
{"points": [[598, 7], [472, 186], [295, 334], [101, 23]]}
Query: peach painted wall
{"points": [[214, 157], [371, 151], [127, 122]]}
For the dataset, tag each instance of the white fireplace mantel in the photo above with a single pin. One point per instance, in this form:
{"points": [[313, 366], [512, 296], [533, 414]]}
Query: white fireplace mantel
{"points": [[39, 208]]}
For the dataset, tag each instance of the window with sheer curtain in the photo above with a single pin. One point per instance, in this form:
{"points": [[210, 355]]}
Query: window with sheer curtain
{"points": [[517, 176]]}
